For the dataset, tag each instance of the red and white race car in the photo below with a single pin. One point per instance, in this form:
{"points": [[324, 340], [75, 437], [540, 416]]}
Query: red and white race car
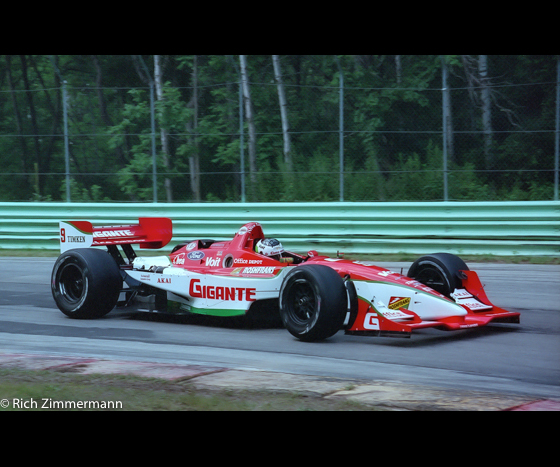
{"points": [[315, 295]]}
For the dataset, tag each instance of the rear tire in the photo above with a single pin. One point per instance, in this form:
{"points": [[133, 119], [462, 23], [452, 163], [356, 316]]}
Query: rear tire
{"points": [[439, 271], [313, 302], [86, 283]]}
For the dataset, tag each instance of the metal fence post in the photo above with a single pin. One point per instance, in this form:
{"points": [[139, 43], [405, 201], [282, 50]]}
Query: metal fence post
{"points": [[153, 124], [66, 148], [445, 106], [341, 130], [557, 135], [241, 141]]}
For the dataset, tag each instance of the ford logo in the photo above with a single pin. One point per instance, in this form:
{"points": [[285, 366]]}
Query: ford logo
{"points": [[195, 255]]}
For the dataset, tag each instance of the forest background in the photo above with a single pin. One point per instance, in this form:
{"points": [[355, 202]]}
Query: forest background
{"points": [[267, 128]]}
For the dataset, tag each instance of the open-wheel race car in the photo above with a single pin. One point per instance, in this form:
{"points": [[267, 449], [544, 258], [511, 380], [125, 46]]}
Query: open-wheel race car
{"points": [[316, 296]]}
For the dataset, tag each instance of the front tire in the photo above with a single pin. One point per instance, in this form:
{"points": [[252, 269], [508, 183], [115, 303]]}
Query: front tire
{"points": [[313, 302], [439, 271], [85, 283]]}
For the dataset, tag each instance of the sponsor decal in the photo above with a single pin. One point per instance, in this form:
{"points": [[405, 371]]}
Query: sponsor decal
{"points": [[385, 273], [371, 322], [179, 259], [212, 262], [164, 280], [196, 255], [259, 270], [475, 305], [464, 297], [396, 314], [196, 290], [460, 293], [253, 270], [113, 233], [247, 261], [72, 236], [248, 228], [191, 246], [399, 302], [413, 283]]}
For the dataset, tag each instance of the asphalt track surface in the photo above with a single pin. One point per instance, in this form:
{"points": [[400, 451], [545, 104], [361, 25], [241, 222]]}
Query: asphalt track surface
{"points": [[519, 359]]}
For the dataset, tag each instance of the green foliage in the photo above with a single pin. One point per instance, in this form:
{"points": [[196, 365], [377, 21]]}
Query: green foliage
{"points": [[392, 112]]}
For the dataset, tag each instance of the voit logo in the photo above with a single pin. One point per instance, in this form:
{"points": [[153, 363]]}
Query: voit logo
{"points": [[399, 302]]}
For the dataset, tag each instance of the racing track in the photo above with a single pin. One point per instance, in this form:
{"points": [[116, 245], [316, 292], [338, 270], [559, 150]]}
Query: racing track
{"points": [[507, 358]]}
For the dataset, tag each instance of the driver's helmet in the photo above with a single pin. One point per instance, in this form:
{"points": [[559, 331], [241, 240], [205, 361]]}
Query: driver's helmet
{"points": [[269, 247]]}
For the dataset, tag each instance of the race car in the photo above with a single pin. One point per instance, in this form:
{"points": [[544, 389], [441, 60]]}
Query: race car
{"points": [[316, 296]]}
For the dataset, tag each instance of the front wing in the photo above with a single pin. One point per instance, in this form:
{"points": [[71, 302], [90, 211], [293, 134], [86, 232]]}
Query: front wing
{"points": [[375, 318]]}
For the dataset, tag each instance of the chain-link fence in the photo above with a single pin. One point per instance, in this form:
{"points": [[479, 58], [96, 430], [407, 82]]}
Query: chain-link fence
{"points": [[470, 139]]}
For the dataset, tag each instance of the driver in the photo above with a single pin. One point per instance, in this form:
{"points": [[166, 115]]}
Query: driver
{"points": [[270, 247]]}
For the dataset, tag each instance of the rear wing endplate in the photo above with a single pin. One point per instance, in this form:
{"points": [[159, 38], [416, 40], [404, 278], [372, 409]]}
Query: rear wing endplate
{"points": [[150, 232]]}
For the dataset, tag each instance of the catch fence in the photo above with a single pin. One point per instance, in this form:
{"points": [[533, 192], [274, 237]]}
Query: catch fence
{"points": [[494, 140]]}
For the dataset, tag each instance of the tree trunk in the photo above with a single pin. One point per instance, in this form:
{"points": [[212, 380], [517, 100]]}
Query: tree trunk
{"points": [[398, 69], [283, 113], [164, 135], [100, 97], [251, 123], [473, 97], [486, 109], [194, 160]]}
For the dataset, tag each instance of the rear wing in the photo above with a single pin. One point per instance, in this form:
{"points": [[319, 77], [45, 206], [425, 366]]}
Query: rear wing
{"points": [[150, 232]]}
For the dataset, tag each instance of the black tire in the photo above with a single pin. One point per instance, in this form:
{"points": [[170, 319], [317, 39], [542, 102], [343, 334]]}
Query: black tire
{"points": [[313, 302], [86, 283], [439, 271]]}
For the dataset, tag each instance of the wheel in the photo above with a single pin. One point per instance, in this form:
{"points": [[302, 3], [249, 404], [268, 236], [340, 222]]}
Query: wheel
{"points": [[313, 302], [86, 283], [439, 271]]}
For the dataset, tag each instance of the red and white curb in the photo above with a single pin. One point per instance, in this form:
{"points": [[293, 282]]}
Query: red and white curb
{"points": [[537, 406]]}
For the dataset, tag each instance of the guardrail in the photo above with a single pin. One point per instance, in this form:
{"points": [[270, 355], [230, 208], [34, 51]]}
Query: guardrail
{"points": [[499, 228]]}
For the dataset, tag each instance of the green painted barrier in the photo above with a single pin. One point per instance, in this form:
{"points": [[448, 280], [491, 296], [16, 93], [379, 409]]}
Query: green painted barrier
{"points": [[499, 228]]}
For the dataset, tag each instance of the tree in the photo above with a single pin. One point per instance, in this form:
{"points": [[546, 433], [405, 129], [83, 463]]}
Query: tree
{"points": [[283, 113], [158, 72], [192, 125], [251, 123], [500, 116]]}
